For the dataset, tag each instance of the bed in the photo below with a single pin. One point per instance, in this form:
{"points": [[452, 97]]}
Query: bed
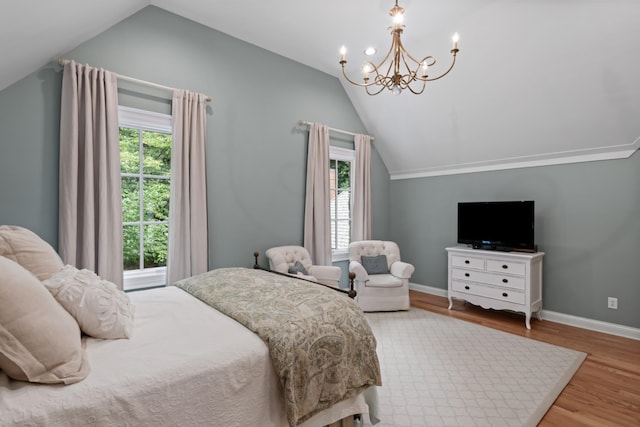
{"points": [[187, 363]]}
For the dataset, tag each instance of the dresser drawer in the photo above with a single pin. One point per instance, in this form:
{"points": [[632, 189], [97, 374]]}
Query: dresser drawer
{"points": [[488, 291], [467, 262], [506, 267], [489, 278]]}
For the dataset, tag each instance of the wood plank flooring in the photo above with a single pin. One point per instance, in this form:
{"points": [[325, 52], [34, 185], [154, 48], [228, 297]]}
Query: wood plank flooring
{"points": [[605, 391]]}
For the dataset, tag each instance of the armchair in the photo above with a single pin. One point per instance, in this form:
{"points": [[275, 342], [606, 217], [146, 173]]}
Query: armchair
{"points": [[382, 279], [295, 260]]}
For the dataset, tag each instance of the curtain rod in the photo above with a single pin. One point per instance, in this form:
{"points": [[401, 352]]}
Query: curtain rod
{"points": [[346, 132], [63, 61]]}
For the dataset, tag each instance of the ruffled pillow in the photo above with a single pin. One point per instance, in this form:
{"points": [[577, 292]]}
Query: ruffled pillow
{"points": [[99, 307]]}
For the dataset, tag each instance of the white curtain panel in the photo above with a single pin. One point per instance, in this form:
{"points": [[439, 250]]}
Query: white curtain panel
{"points": [[90, 212], [188, 253], [362, 190], [317, 219]]}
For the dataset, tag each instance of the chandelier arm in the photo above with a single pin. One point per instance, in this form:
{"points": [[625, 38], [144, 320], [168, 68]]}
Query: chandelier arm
{"points": [[386, 56], [376, 68], [424, 84], [453, 51], [382, 87], [412, 75], [384, 81], [388, 73], [398, 50], [405, 52], [344, 73]]}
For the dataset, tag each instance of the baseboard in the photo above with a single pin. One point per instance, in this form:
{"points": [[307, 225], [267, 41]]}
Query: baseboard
{"points": [[429, 290], [591, 324], [552, 316]]}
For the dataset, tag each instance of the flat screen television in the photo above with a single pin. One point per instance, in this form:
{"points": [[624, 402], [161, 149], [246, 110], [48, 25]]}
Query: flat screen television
{"points": [[503, 226]]}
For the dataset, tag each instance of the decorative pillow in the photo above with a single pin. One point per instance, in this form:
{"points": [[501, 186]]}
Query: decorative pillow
{"points": [[39, 341], [99, 307], [30, 251], [298, 268], [375, 264]]}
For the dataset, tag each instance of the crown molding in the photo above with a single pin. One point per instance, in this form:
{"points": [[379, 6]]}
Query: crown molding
{"points": [[559, 158]]}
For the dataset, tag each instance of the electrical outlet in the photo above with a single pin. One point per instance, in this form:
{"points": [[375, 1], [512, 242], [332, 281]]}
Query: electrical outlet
{"points": [[612, 303]]}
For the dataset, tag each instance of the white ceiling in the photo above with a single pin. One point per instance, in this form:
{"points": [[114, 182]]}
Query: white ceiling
{"points": [[536, 81]]}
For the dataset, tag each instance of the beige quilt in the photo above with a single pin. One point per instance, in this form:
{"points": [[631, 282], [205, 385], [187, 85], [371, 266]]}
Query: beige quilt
{"points": [[320, 343]]}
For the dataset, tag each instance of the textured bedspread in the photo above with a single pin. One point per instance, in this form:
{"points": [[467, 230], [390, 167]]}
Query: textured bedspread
{"points": [[320, 343]]}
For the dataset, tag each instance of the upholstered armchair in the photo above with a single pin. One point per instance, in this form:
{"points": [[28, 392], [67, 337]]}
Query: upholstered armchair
{"points": [[295, 260], [382, 279]]}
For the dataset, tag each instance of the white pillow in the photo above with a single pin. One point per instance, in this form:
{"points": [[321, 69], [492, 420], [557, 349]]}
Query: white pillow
{"points": [[30, 251], [39, 341], [99, 307]]}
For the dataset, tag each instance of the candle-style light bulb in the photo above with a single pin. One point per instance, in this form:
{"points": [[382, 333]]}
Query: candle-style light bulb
{"points": [[456, 37], [343, 53], [398, 19]]}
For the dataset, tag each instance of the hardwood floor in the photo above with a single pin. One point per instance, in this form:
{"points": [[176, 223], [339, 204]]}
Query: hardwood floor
{"points": [[605, 391]]}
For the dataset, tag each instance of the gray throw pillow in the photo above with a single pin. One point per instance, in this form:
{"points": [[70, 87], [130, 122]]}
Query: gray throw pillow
{"points": [[375, 264], [298, 268]]}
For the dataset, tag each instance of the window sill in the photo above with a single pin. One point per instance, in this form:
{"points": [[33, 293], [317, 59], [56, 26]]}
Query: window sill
{"points": [[340, 256], [147, 278]]}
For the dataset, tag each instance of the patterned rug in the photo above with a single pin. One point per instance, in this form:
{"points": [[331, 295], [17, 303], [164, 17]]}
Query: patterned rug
{"points": [[440, 371]]}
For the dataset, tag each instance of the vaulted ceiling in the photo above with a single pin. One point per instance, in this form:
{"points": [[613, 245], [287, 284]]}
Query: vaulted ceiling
{"points": [[536, 81]]}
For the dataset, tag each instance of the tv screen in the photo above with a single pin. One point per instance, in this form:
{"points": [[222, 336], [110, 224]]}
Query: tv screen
{"points": [[497, 225]]}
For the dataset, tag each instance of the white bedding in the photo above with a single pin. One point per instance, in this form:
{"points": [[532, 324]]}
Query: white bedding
{"points": [[186, 364]]}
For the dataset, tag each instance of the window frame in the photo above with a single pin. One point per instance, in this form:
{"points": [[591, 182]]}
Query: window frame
{"points": [[345, 155], [154, 122]]}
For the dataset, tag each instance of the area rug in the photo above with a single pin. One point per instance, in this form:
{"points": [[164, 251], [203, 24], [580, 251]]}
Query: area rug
{"points": [[441, 371]]}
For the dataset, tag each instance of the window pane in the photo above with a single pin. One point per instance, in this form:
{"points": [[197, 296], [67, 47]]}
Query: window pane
{"points": [[156, 239], [156, 148], [343, 235], [130, 199], [156, 199], [333, 234], [332, 175], [332, 204], [129, 150], [131, 247], [344, 173], [343, 204]]}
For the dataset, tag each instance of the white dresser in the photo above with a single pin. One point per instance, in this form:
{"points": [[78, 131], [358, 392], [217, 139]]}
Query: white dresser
{"points": [[498, 280]]}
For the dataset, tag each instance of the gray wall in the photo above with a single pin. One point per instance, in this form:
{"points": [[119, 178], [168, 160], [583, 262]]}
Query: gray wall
{"points": [[587, 223], [256, 155], [587, 214]]}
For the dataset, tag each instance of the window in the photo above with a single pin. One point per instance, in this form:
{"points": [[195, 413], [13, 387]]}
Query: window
{"points": [[145, 165], [341, 200]]}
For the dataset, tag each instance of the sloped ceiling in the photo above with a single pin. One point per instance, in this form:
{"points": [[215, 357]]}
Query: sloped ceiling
{"points": [[536, 81]]}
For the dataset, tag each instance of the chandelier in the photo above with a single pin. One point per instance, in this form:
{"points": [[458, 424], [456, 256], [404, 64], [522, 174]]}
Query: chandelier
{"points": [[415, 75]]}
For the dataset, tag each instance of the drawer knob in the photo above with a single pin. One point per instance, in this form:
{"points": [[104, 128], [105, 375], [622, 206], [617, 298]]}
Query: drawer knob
{"points": [[505, 281], [466, 261], [504, 294], [466, 275], [505, 266], [466, 287]]}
